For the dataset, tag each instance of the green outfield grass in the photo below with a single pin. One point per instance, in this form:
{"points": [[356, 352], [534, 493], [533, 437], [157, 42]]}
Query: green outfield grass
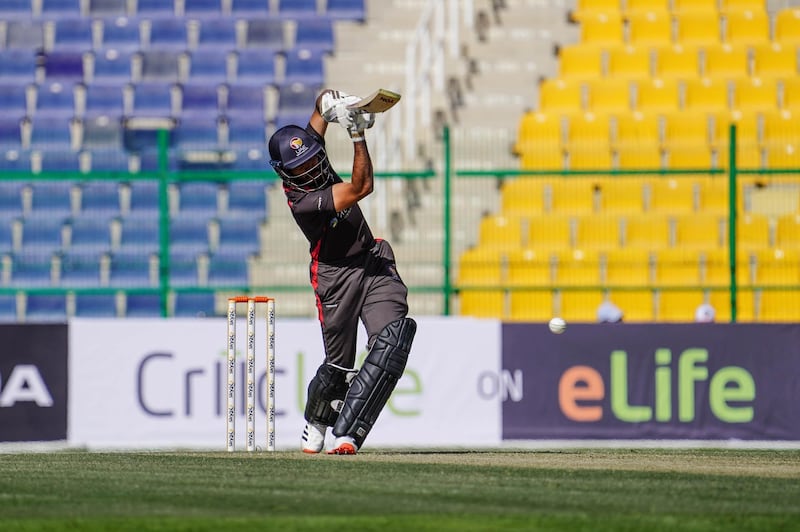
{"points": [[403, 490]]}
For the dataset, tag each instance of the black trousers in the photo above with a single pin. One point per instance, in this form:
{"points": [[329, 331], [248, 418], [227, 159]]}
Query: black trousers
{"points": [[367, 288]]}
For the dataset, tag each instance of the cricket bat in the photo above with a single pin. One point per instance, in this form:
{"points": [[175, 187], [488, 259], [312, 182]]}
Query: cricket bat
{"points": [[379, 101]]}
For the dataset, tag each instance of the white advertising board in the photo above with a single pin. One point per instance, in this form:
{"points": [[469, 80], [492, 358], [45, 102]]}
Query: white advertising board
{"points": [[160, 383]]}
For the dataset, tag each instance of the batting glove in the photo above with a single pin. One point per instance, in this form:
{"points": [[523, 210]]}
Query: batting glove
{"points": [[333, 105]]}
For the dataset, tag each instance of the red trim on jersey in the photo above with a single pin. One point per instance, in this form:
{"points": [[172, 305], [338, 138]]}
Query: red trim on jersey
{"points": [[315, 279]]}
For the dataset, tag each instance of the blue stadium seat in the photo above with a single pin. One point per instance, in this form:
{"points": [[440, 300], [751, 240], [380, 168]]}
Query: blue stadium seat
{"points": [[250, 8], [346, 10], [112, 66], [50, 133], [104, 99], [239, 236], [266, 34], [198, 198], [304, 66], [10, 142], [188, 235], [246, 101], [152, 100], [17, 66], [6, 233], [229, 270], [15, 9], [57, 160], [194, 304], [209, 66], [297, 98], [11, 199], [108, 160], [24, 34], [66, 66], [91, 232], [13, 101], [52, 198], [55, 100], [217, 34], [73, 34], [197, 133], [297, 9], [202, 8], [255, 66], [142, 306], [199, 101], [121, 34], [96, 305], [168, 34], [155, 8], [45, 308], [183, 271], [314, 34], [8, 308], [13, 159], [99, 199], [80, 270], [246, 199], [244, 132], [41, 235], [252, 160], [103, 133], [60, 8], [140, 234], [130, 271], [32, 271], [160, 65], [149, 159], [104, 8], [291, 117]]}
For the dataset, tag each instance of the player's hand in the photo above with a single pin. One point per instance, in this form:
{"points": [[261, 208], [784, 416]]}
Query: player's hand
{"points": [[356, 122], [333, 105]]}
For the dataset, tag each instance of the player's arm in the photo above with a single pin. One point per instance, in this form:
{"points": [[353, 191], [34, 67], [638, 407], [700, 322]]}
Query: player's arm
{"points": [[361, 183], [317, 122]]}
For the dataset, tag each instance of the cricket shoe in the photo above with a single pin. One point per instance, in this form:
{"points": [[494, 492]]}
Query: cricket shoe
{"points": [[313, 439], [344, 445]]}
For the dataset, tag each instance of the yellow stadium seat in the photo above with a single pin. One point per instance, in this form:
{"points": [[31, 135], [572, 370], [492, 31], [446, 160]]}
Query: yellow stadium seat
{"points": [[549, 232], [649, 28], [688, 157], [752, 231], [697, 28], [683, 6], [537, 128], [585, 157], [714, 194], [608, 95], [701, 230], [677, 62], [679, 305], [588, 141], [630, 157], [676, 267], [721, 301], [636, 305], [746, 26], [531, 305], [592, 7], [580, 61], [673, 195], [629, 62], [501, 232], [657, 95], [777, 267], [779, 306], [621, 195], [636, 6], [728, 6], [726, 61], [628, 267], [523, 196], [480, 267], [716, 268], [529, 267], [559, 95], [787, 232], [774, 60], [542, 158], [647, 231], [482, 303], [782, 139], [686, 128], [787, 26], [790, 94], [706, 95], [637, 141], [601, 29], [748, 145], [577, 267], [579, 305], [598, 232], [754, 94], [572, 195]]}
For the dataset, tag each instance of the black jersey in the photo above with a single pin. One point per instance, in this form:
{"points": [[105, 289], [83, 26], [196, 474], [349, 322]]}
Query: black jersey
{"points": [[332, 235]]}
